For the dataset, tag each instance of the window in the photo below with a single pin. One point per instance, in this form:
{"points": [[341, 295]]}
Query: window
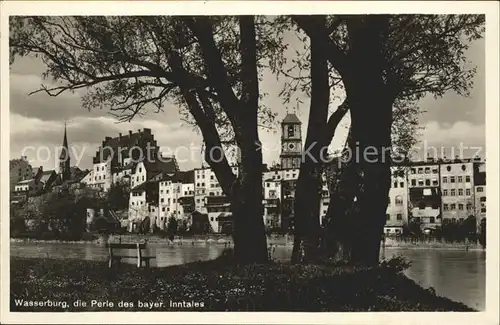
{"points": [[445, 207], [268, 184], [448, 168], [467, 179], [387, 217], [420, 182], [460, 192], [395, 185], [389, 200], [482, 199], [480, 189], [467, 191], [413, 182], [399, 200], [469, 206], [427, 182], [432, 220], [453, 206], [460, 179], [211, 218], [420, 170], [452, 179], [399, 216], [161, 191], [435, 182], [212, 177], [401, 184], [427, 170], [452, 192], [464, 167], [434, 170], [461, 207], [445, 179], [445, 192], [290, 131], [483, 210], [162, 200], [413, 171]]}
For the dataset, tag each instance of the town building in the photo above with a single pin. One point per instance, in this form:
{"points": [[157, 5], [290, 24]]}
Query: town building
{"points": [[117, 157], [20, 169], [480, 192], [457, 189], [424, 194], [397, 207]]}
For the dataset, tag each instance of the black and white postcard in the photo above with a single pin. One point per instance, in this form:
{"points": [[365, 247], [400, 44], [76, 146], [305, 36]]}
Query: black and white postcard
{"points": [[249, 162]]}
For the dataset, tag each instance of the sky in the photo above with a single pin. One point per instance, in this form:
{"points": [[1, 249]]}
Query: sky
{"points": [[37, 121]]}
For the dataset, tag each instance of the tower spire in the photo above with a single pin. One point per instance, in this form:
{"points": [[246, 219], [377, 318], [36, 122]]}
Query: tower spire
{"points": [[64, 158]]}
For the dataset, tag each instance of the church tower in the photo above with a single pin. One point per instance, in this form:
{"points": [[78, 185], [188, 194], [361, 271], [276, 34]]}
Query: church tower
{"points": [[64, 159], [291, 142]]}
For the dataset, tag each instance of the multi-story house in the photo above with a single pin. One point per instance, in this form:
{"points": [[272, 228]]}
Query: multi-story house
{"points": [[397, 207], [272, 203], [480, 192], [121, 153], [424, 200], [20, 169], [206, 184], [457, 189]]}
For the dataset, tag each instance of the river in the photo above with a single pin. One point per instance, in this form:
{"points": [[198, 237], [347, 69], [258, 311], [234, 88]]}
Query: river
{"points": [[456, 274]]}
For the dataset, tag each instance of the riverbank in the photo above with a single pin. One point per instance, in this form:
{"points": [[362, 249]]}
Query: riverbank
{"points": [[226, 241], [216, 286]]}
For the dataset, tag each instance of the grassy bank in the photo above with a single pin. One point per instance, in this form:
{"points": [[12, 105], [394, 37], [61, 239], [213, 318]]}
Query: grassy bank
{"points": [[216, 286]]}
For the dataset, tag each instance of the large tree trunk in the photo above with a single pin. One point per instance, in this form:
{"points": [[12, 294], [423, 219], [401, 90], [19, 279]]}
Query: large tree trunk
{"points": [[343, 184], [245, 192], [250, 245], [308, 194], [371, 119], [248, 228]]}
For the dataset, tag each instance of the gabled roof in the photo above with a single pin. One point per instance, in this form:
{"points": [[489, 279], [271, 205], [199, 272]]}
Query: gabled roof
{"points": [[291, 118]]}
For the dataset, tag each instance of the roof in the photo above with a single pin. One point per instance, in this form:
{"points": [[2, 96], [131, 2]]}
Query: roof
{"points": [[130, 140], [26, 181], [168, 166], [186, 177], [291, 118]]}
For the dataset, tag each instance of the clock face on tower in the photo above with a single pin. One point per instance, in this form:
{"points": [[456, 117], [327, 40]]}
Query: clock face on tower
{"points": [[291, 146]]}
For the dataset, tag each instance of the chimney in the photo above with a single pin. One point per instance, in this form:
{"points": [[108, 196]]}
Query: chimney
{"points": [[129, 132], [120, 135]]}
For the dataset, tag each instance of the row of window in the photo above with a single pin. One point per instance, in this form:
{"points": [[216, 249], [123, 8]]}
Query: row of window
{"points": [[453, 206], [99, 177], [431, 219], [399, 216], [398, 200], [459, 179], [425, 170], [426, 182], [432, 170], [453, 192]]}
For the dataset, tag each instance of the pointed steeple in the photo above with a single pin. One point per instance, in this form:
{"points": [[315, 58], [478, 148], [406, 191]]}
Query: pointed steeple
{"points": [[64, 158]]}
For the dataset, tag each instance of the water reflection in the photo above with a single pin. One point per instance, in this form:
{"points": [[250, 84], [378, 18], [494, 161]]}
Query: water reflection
{"points": [[459, 275]]}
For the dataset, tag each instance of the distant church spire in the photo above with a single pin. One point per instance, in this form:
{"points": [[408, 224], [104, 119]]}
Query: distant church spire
{"points": [[64, 158]]}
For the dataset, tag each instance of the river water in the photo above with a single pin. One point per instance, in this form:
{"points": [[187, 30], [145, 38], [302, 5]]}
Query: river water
{"points": [[456, 274]]}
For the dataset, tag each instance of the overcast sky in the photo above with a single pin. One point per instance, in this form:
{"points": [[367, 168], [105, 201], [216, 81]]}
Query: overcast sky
{"points": [[37, 121]]}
